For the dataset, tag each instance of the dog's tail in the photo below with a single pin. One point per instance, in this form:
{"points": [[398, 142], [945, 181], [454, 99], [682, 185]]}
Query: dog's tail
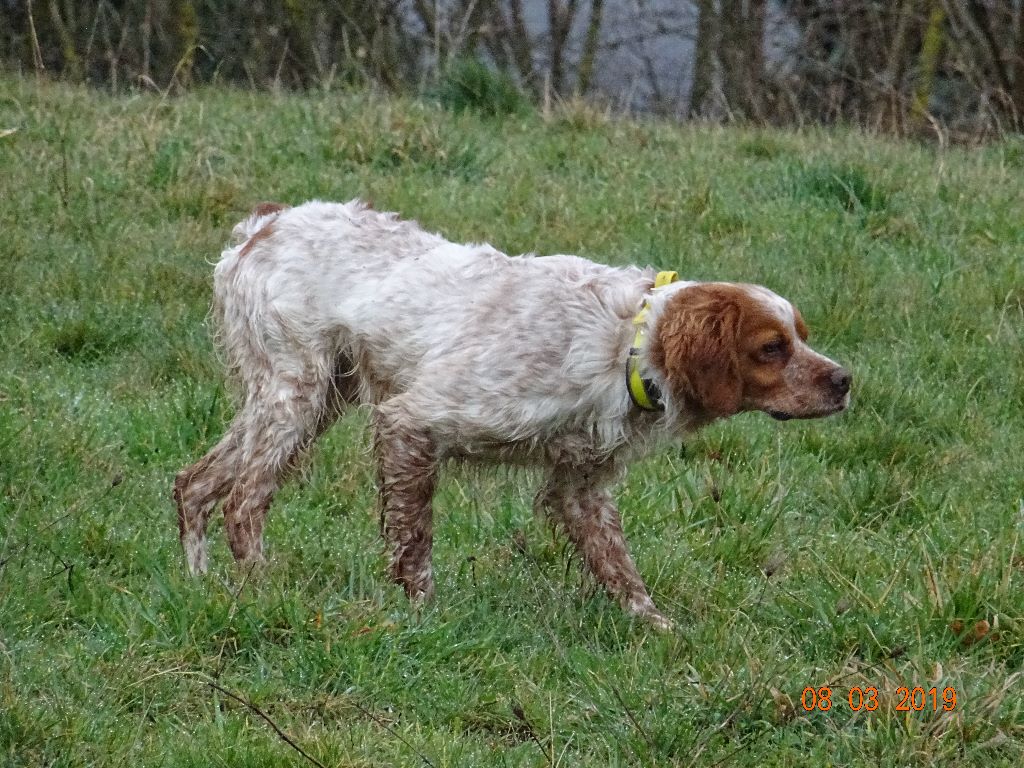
{"points": [[260, 216], [240, 310]]}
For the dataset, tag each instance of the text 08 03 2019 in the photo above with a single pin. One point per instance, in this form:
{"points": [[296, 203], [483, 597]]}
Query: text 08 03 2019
{"points": [[857, 699]]}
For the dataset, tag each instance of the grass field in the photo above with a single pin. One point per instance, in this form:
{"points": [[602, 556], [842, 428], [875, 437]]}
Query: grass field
{"points": [[882, 548]]}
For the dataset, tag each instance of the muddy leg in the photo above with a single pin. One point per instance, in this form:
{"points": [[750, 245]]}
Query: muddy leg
{"points": [[407, 474], [587, 513]]}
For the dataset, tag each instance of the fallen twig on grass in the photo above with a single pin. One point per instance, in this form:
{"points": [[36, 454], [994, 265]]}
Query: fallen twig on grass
{"points": [[392, 731], [636, 723], [284, 736], [517, 710]]}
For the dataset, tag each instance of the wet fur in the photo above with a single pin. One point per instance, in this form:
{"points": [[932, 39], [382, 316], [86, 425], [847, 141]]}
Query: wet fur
{"points": [[465, 353]]}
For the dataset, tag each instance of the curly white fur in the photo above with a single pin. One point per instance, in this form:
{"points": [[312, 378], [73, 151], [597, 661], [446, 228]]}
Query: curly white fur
{"points": [[462, 351]]}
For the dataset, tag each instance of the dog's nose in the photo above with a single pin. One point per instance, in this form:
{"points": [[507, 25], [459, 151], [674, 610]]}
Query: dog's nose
{"points": [[841, 380]]}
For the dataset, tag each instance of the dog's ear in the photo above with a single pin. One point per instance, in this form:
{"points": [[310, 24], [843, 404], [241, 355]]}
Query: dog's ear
{"points": [[694, 344]]}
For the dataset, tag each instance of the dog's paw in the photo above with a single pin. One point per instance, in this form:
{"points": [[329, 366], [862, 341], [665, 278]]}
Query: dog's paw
{"points": [[644, 608], [660, 622], [194, 547]]}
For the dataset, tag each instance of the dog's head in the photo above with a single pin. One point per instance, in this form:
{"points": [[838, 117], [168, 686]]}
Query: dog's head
{"points": [[723, 348]]}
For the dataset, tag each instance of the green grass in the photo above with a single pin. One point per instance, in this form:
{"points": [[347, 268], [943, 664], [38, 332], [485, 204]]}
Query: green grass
{"points": [[795, 555]]}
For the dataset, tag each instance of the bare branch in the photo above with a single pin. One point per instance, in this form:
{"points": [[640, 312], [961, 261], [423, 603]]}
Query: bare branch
{"points": [[284, 736]]}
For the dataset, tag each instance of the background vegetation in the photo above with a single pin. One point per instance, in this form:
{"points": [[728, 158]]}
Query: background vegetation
{"points": [[939, 68], [880, 548]]}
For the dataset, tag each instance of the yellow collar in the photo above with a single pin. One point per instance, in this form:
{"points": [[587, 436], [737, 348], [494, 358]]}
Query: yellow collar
{"points": [[643, 391]]}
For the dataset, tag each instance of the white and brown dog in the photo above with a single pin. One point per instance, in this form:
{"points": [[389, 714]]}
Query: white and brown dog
{"points": [[466, 353]]}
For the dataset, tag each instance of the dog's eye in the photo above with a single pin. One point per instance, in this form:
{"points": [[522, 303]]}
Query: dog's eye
{"points": [[776, 348]]}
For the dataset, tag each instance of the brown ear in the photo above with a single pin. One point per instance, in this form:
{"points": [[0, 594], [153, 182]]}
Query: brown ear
{"points": [[694, 344]]}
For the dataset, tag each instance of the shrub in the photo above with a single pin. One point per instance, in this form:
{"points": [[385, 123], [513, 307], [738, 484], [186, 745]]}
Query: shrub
{"points": [[469, 84]]}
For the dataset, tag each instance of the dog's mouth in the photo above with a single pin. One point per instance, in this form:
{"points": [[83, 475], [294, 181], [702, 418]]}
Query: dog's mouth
{"points": [[829, 410]]}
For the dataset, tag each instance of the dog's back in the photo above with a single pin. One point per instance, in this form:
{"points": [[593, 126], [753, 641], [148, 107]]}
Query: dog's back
{"points": [[399, 304]]}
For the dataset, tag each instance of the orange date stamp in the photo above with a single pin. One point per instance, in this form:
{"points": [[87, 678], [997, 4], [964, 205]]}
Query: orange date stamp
{"points": [[858, 699]]}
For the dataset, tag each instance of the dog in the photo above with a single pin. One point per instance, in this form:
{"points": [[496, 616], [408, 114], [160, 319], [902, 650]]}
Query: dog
{"points": [[465, 353]]}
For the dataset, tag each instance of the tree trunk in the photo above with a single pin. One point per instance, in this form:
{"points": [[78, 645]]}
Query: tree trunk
{"points": [[72, 63], [590, 47], [1018, 73], [890, 98], [742, 56], [980, 16], [522, 49], [560, 20], [754, 44], [928, 61], [188, 40], [703, 57]]}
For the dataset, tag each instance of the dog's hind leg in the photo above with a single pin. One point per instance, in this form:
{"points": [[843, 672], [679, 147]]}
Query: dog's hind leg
{"points": [[262, 438], [284, 416], [198, 488]]}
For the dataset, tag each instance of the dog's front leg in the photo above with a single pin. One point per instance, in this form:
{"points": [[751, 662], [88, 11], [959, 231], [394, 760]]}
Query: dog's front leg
{"points": [[590, 518], [407, 474]]}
